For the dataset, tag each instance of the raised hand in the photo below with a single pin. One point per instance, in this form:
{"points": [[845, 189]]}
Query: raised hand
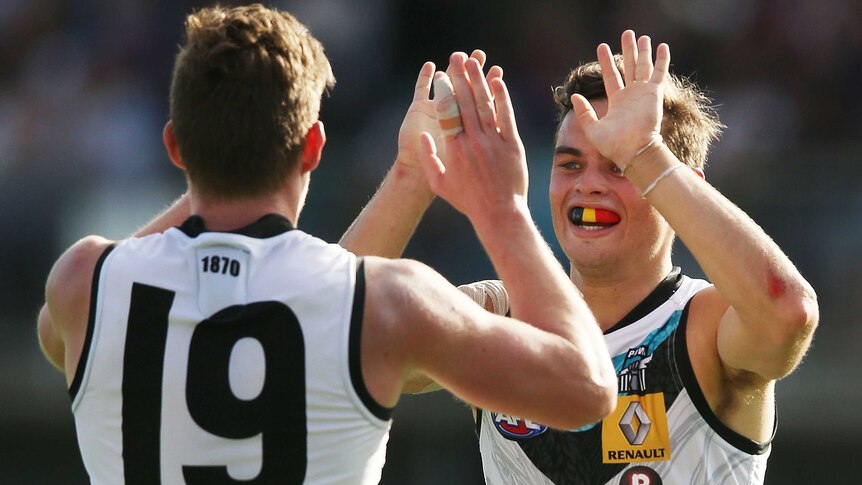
{"points": [[484, 169], [633, 120], [421, 115]]}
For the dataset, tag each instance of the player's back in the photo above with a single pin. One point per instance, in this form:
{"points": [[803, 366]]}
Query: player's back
{"points": [[219, 357]]}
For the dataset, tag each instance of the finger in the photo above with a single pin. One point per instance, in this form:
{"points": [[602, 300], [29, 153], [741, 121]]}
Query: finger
{"points": [[496, 72], [584, 112], [610, 75], [448, 114], [480, 56], [423, 82], [431, 164], [662, 63], [505, 110], [630, 55], [482, 95], [449, 67], [463, 93], [644, 63]]}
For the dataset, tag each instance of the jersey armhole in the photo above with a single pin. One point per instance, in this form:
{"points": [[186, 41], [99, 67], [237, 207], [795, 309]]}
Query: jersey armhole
{"points": [[355, 345], [83, 361], [689, 380]]}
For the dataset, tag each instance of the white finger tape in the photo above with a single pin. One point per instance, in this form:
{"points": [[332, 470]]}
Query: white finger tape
{"points": [[448, 114]]}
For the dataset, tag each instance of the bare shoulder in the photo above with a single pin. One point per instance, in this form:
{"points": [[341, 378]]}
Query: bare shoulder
{"points": [[67, 294], [410, 282], [398, 288], [72, 273], [708, 313], [704, 317], [402, 268], [741, 400], [408, 306], [411, 305]]}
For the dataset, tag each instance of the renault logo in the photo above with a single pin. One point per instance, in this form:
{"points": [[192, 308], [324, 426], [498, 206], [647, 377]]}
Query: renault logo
{"points": [[635, 436]]}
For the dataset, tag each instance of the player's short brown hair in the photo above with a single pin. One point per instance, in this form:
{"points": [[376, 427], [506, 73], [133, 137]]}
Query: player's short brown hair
{"points": [[247, 86], [689, 125]]}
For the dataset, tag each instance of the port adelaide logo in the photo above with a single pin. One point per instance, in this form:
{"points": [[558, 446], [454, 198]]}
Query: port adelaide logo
{"points": [[632, 377], [517, 428]]}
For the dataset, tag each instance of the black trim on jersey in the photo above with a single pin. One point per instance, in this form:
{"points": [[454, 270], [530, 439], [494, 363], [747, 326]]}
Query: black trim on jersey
{"points": [[689, 380], [478, 422], [267, 226], [355, 346], [91, 323], [655, 299]]}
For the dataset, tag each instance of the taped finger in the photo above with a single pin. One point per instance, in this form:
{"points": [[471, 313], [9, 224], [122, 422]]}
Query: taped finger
{"points": [[448, 114]]}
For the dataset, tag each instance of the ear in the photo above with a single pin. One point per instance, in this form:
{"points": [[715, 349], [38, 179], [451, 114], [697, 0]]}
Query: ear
{"points": [[699, 172], [171, 145], [313, 149]]}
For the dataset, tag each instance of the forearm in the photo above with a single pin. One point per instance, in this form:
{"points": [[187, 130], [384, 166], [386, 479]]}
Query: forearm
{"points": [[386, 224], [539, 290], [750, 271], [173, 216]]}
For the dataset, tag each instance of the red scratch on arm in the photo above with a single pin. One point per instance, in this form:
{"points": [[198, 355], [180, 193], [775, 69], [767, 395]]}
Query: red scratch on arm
{"points": [[777, 287]]}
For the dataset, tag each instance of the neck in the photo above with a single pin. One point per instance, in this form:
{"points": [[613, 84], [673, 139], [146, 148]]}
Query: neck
{"points": [[611, 293], [229, 214]]}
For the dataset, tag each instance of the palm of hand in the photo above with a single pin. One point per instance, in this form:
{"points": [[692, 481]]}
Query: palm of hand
{"points": [[420, 117], [485, 172], [633, 118]]}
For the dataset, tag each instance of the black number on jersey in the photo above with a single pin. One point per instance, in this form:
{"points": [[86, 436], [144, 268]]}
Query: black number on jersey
{"points": [[277, 413], [220, 265]]}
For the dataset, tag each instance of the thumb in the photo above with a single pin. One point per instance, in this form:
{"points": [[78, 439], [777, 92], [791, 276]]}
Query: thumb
{"points": [[431, 163], [584, 111]]}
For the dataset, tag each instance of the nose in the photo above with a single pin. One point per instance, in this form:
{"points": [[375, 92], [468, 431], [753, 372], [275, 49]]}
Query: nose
{"points": [[592, 180]]}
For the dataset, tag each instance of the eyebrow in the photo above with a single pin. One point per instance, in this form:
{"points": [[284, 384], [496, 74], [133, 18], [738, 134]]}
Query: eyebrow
{"points": [[567, 150]]}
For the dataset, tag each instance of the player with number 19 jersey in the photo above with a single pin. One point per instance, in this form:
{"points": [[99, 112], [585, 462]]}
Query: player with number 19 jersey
{"points": [[238, 360]]}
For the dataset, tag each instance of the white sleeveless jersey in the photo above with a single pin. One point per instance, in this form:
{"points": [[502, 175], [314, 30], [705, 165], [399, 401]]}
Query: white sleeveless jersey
{"points": [[226, 357], [662, 431]]}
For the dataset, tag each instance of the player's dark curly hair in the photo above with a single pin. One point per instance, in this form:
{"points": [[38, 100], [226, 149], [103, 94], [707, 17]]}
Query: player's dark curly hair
{"points": [[247, 86], [690, 123]]}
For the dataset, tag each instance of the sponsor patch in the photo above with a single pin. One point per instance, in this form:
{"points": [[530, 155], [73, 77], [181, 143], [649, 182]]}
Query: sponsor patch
{"points": [[636, 431], [640, 475]]}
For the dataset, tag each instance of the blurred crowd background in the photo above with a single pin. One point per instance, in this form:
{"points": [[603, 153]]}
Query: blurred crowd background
{"points": [[83, 99]]}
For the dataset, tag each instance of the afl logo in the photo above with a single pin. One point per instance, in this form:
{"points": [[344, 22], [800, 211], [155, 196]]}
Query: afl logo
{"points": [[516, 428], [640, 475]]}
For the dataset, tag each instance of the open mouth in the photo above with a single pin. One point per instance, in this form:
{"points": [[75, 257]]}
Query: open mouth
{"points": [[592, 219]]}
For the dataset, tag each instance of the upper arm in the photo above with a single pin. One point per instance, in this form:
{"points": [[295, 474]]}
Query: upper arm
{"points": [[62, 324], [487, 360], [50, 341], [488, 294]]}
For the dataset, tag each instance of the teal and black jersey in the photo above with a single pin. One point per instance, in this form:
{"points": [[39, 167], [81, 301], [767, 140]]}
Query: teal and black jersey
{"points": [[662, 431]]}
